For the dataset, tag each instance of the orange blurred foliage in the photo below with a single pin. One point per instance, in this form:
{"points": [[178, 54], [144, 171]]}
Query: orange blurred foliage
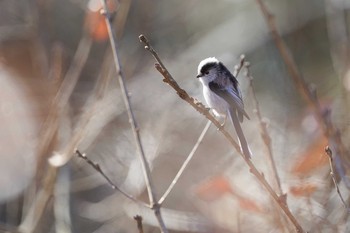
{"points": [[95, 23], [312, 158], [218, 186], [213, 188], [303, 190]]}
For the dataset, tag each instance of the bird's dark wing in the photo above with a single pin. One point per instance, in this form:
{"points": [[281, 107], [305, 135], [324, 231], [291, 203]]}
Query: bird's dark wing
{"points": [[231, 96]]}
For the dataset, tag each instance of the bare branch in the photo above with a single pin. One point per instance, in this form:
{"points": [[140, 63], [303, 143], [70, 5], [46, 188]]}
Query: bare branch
{"points": [[167, 78], [264, 132], [42, 197], [97, 167], [61, 100], [239, 67], [136, 131], [331, 165], [132, 119]]}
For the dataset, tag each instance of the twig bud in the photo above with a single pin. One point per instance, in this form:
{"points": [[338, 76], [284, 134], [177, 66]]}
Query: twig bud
{"points": [[142, 38]]}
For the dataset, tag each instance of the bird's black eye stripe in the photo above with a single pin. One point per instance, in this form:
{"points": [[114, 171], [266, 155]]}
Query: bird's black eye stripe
{"points": [[205, 69]]}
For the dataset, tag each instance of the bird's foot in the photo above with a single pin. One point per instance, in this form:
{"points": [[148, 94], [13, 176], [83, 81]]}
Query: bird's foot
{"points": [[223, 124]]}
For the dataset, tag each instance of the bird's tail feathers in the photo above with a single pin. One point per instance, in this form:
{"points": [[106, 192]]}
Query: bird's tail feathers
{"points": [[241, 138]]}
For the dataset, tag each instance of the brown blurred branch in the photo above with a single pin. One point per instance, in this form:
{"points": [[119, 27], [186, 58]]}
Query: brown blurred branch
{"points": [[264, 132], [60, 103], [138, 219], [239, 67], [136, 131], [265, 137], [48, 136], [97, 167], [42, 197], [167, 78], [331, 165], [306, 92]]}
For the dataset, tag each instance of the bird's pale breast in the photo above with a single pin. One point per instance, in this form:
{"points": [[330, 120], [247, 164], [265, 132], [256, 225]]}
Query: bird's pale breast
{"points": [[215, 102]]}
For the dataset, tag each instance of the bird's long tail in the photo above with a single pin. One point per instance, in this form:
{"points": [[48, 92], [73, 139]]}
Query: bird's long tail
{"points": [[242, 141]]}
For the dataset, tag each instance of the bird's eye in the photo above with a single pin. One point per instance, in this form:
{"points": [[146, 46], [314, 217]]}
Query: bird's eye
{"points": [[206, 72]]}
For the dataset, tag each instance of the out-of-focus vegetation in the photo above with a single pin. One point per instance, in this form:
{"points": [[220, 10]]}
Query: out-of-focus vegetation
{"points": [[59, 91]]}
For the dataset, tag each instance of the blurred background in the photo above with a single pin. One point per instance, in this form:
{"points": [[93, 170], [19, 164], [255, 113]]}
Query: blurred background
{"points": [[59, 91]]}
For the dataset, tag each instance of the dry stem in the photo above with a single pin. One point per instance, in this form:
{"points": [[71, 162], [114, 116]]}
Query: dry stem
{"points": [[330, 158], [265, 137], [264, 132], [167, 78], [136, 132]]}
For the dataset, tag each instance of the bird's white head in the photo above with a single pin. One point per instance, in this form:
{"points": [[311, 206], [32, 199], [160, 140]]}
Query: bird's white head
{"points": [[207, 70]]}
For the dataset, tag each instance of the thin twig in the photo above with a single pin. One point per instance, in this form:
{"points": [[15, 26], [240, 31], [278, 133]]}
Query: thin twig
{"points": [[167, 78], [41, 200], [239, 67], [97, 167], [184, 165], [138, 219], [331, 165], [61, 205], [136, 131], [133, 123], [266, 139], [49, 134], [306, 92], [264, 132], [61, 100]]}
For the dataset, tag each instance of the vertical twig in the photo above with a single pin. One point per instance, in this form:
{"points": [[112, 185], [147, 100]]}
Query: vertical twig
{"points": [[37, 209], [239, 67], [264, 132], [62, 97], [167, 78], [132, 119], [266, 139], [331, 165], [61, 205], [136, 131], [49, 133]]}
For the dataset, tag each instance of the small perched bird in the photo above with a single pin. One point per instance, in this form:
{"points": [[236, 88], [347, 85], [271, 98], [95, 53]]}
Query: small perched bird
{"points": [[221, 92]]}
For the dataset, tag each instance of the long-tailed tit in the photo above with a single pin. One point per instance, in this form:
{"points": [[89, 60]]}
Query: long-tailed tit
{"points": [[221, 92]]}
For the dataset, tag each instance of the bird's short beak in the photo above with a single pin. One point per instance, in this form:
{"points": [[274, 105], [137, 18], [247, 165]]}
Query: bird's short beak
{"points": [[199, 75]]}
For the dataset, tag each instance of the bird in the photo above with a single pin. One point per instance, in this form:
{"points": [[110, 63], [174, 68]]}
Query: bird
{"points": [[223, 96]]}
